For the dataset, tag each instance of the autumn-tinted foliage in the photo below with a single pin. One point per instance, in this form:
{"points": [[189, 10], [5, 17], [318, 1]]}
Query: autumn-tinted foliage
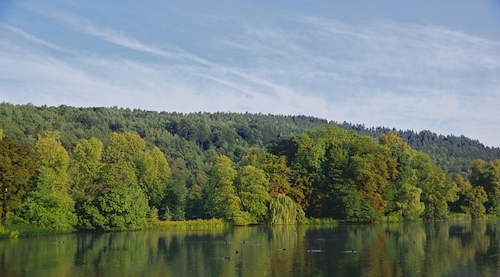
{"points": [[110, 168], [17, 173]]}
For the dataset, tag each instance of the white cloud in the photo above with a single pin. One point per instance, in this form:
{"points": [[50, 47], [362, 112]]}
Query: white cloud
{"points": [[376, 73], [32, 38]]}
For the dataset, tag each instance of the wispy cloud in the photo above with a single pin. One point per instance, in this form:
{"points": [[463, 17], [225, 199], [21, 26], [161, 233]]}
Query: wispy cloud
{"points": [[108, 34], [378, 73], [382, 73], [122, 39], [101, 81], [32, 38]]}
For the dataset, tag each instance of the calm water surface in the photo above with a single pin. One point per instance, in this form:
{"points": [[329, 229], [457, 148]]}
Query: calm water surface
{"points": [[407, 249]]}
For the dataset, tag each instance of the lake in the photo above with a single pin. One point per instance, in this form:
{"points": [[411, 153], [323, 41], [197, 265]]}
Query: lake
{"points": [[454, 248]]}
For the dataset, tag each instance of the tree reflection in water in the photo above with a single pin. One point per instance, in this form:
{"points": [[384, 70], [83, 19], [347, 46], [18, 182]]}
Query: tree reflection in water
{"points": [[454, 248]]}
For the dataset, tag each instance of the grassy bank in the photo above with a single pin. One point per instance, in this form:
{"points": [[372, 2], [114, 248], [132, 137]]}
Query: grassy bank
{"points": [[188, 224], [318, 221], [25, 230]]}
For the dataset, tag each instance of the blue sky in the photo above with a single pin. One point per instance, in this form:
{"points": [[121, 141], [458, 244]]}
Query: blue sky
{"points": [[418, 65]]}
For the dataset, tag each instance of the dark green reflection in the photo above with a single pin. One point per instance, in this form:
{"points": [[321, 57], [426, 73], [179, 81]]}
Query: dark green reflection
{"points": [[468, 248]]}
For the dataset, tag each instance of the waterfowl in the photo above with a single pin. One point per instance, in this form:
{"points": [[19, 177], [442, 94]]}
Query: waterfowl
{"points": [[315, 250]]}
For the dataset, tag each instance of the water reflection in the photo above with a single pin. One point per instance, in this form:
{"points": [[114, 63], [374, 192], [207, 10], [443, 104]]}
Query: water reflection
{"points": [[468, 248]]}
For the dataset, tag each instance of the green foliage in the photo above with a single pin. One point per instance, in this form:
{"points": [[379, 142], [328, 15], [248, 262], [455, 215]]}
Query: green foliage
{"points": [[471, 198], [192, 224], [408, 201], [108, 195], [17, 173], [318, 221], [220, 193], [121, 207], [8, 231], [194, 203], [282, 210], [451, 153], [52, 160], [251, 187], [86, 167], [117, 165], [174, 201], [50, 205], [487, 176], [154, 174], [373, 167], [49, 209], [437, 191], [123, 154], [340, 174]]}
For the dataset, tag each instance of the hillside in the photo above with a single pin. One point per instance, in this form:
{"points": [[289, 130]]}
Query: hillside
{"points": [[191, 141]]}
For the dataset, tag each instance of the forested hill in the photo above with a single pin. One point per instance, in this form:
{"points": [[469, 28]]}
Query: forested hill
{"points": [[191, 141], [452, 153]]}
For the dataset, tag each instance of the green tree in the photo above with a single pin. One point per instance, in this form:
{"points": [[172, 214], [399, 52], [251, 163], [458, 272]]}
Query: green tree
{"points": [[52, 160], [50, 205], [408, 201], [154, 174], [124, 153], [17, 173], [251, 184], [277, 172], [121, 203], [282, 210], [86, 170], [87, 165], [487, 175], [194, 203], [372, 168], [308, 160], [471, 198], [221, 199], [437, 192], [477, 176], [403, 197], [121, 206]]}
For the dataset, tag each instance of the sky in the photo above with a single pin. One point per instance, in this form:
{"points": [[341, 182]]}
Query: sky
{"points": [[410, 65]]}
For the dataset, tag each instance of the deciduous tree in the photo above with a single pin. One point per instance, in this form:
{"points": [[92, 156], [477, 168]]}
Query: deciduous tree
{"points": [[17, 174]]}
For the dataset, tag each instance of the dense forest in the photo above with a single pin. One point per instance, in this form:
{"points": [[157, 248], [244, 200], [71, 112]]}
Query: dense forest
{"points": [[111, 169]]}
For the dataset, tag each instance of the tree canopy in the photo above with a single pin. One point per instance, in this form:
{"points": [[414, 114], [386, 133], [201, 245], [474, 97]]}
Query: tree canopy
{"points": [[110, 168]]}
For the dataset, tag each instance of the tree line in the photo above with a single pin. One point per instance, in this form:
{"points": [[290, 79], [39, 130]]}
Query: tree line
{"points": [[109, 168], [325, 173]]}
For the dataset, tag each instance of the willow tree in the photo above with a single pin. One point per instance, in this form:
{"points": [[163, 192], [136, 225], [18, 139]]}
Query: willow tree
{"points": [[282, 210]]}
